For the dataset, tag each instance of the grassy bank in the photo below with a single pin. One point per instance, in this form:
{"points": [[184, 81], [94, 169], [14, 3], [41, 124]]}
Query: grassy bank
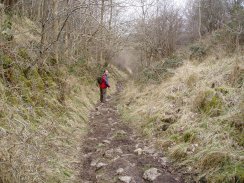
{"points": [[43, 110], [195, 115]]}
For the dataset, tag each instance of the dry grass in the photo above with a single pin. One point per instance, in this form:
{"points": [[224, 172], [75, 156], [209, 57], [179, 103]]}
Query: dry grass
{"points": [[203, 101], [42, 143]]}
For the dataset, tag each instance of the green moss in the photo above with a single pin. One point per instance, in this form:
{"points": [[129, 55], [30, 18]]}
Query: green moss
{"points": [[7, 23], [36, 80], [24, 81], [2, 113], [173, 62], [67, 173], [198, 52], [175, 137], [11, 97], [189, 136], [222, 90], [210, 103], [214, 103], [26, 95], [239, 138], [23, 54], [6, 29], [6, 61], [39, 111]]}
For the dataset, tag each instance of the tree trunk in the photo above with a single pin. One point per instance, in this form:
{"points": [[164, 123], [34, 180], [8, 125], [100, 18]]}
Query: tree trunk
{"points": [[200, 20], [55, 27], [101, 24]]}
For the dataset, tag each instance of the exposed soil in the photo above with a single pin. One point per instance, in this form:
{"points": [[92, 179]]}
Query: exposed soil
{"points": [[113, 151]]}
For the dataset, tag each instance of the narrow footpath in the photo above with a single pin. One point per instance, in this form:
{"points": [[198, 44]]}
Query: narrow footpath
{"points": [[113, 153]]}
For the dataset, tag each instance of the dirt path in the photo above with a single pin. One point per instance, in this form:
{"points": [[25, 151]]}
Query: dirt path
{"points": [[113, 153]]}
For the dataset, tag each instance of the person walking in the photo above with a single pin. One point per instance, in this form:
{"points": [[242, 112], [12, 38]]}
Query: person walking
{"points": [[104, 84]]}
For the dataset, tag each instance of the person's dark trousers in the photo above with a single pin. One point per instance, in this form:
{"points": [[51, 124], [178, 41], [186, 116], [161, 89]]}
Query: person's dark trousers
{"points": [[103, 95]]}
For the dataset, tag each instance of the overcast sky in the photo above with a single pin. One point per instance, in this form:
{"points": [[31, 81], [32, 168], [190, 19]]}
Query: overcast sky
{"points": [[180, 2], [134, 9]]}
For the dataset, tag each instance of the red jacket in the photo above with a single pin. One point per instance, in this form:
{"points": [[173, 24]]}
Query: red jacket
{"points": [[104, 83]]}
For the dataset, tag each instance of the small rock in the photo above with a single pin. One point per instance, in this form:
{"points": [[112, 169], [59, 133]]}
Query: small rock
{"points": [[100, 165], [164, 161], [125, 179], [138, 145], [106, 142], [120, 171], [189, 168], [87, 155], [94, 162], [100, 145], [151, 174], [138, 151], [157, 154], [118, 150], [114, 123], [109, 153], [110, 119]]}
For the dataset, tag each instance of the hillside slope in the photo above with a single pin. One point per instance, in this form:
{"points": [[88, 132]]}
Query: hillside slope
{"points": [[43, 110], [196, 116]]}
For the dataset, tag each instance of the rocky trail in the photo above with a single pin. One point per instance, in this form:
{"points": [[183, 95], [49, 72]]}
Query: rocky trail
{"points": [[113, 153]]}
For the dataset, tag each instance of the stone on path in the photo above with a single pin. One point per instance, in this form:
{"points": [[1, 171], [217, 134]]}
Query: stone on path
{"points": [[100, 165], [125, 179], [94, 162], [109, 153], [106, 142], [118, 150], [120, 171], [164, 161], [110, 119], [138, 151], [151, 174]]}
